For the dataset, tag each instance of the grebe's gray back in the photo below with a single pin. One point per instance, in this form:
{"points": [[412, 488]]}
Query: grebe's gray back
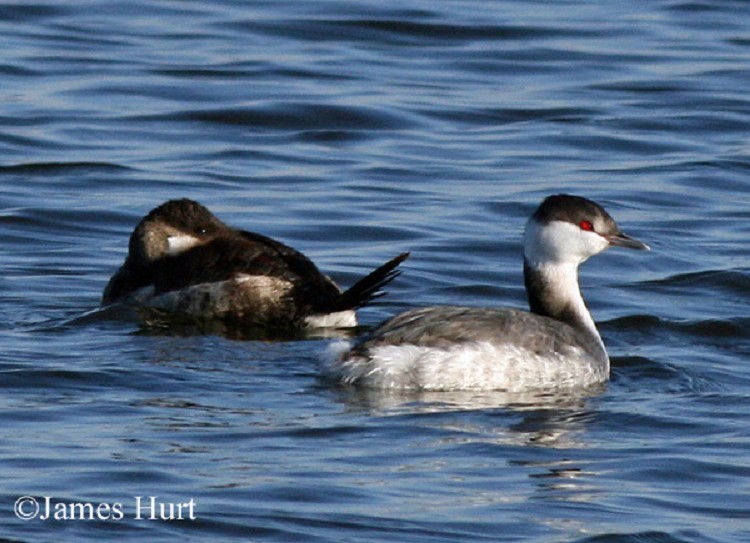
{"points": [[555, 345]]}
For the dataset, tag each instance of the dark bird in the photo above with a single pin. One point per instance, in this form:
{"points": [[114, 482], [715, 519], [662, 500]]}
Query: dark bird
{"points": [[183, 261]]}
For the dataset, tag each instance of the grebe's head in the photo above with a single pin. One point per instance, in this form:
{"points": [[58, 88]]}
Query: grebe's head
{"points": [[570, 229]]}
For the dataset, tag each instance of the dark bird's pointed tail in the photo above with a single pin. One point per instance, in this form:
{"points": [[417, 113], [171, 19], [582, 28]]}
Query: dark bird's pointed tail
{"points": [[368, 288]]}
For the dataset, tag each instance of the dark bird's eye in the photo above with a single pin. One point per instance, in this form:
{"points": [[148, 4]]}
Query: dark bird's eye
{"points": [[201, 231]]}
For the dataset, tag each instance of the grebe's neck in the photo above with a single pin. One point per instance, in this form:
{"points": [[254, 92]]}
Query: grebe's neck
{"points": [[553, 291]]}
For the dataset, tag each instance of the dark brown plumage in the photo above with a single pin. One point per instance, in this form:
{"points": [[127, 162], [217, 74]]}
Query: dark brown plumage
{"points": [[184, 260]]}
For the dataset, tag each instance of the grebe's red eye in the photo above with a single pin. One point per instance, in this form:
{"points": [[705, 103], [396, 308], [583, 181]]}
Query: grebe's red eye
{"points": [[586, 225]]}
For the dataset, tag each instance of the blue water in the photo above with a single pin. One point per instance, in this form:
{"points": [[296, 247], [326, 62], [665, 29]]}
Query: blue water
{"points": [[353, 131]]}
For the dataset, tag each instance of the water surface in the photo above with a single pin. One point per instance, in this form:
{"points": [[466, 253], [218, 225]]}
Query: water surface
{"points": [[354, 131]]}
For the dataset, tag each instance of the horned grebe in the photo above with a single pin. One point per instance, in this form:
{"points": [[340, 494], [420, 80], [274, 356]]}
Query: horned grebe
{"points": [[184, 261], [465, 348]]}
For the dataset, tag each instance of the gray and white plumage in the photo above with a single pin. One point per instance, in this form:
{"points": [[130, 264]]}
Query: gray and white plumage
{"points": [[463, 348]]}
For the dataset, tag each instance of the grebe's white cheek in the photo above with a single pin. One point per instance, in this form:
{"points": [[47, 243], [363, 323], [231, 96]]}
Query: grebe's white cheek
{"points": [[544, 242], [556, 241], [591, 243], [179, 243]]}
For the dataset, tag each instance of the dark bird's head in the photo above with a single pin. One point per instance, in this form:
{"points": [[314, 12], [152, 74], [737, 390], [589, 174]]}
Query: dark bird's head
{"points": [[173, 227]]}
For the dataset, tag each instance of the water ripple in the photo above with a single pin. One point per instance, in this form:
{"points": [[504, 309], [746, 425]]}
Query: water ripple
{"points": [[292, 116]]}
